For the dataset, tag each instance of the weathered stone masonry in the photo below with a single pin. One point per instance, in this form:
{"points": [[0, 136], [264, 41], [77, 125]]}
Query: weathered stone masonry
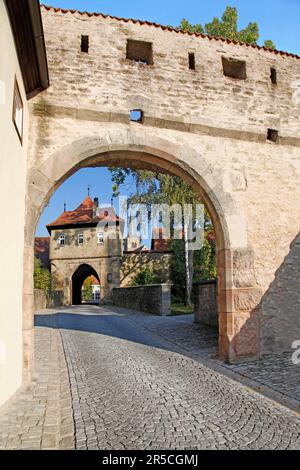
{"points": [[206, 127], [154, 298]]}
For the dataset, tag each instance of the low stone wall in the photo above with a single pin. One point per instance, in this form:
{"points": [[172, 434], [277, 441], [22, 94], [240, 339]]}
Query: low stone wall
{"points": [[56, 299], [205, 300], [40, 300], [151, 298]]}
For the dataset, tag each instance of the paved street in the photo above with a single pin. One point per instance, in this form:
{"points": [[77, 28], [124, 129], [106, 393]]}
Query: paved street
{"points": [[134, 386]]}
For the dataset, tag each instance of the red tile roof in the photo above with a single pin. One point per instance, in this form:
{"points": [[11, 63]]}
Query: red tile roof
{"points": [[95, 281], [41, 250], [169, 28], [84, 215]]}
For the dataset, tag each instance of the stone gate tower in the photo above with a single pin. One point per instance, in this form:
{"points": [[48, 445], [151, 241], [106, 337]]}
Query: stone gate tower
{"points": [[85, 242]]}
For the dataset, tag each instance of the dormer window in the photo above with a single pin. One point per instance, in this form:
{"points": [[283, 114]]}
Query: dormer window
{"points": [[100, 238], [80, 239], [62, 240]]}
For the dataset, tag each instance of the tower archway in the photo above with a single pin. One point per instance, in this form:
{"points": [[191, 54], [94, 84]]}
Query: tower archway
{"points": [[80, 275]]}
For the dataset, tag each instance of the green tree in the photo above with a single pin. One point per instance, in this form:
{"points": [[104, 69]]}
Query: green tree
{"points": [[145, 277], [87, 290], [178, 273], [205, 266], [41, 277], [268, 44], [227, 27], [186, 26]]}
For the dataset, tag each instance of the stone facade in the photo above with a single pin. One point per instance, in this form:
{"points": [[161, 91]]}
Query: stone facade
{"points": [[154, 298], [40, 300], [73, 261], [198, 124], [205, 301]]}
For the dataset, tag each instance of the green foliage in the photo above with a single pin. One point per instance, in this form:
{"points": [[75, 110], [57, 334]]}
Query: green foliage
{"points": [[227, 27], [153, 188], [269, 44], [204, 267], [145, 277], [179, 309], [178, 274], [186, 26], [87, 290], [42, 277], [205, 262]]}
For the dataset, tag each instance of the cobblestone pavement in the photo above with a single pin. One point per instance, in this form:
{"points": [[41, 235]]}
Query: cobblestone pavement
{"points": [[277, 372], [139, 382], [40, 416], [130, 392]]}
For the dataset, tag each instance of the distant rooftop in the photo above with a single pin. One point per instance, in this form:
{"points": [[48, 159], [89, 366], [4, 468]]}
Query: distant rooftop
{"points": [[85, 215]]}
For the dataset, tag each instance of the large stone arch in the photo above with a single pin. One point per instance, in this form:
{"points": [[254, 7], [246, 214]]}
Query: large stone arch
{"points": [[138, 146]]}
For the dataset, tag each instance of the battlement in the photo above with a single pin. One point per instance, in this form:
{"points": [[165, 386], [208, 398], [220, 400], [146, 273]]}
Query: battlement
{"points": [[102, 68]]}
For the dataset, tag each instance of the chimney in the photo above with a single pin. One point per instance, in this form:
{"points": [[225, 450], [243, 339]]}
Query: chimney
{"points": [[96, 206]]}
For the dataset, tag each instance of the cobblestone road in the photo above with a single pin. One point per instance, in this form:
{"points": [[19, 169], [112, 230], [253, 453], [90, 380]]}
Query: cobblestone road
{"points": [[129, 392], [138, 382], [275, 374]]}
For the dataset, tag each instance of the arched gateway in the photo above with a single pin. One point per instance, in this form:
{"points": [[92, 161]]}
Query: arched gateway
{"points": [[139, 147], [212, 130], [78, 278]]}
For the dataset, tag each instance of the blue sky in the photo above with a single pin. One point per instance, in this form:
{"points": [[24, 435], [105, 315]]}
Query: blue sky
{"points": [[278, 20], [75, 189]]}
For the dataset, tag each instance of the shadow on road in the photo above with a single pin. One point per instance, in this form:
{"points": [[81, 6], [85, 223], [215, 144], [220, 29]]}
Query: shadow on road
{"points": [[176, 334]]}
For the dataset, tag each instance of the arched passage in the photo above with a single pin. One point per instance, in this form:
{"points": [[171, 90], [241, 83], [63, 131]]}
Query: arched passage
{"points": [[80, 275], [136, 146]]}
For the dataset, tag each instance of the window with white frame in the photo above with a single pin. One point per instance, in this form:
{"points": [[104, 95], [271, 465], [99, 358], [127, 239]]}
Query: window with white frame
{"points": [[62, 239], [80, 239], [100, 238], [18, 111]]}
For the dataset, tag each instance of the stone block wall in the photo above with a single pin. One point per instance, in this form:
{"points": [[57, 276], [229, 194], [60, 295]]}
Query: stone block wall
{"points": [[40, 300], [104, 81], [205, 301], [55, 299], [152, 298]]}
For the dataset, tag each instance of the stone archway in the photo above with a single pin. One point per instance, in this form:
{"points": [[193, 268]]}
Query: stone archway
{"points": [[141, 148], [78, 278]]}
